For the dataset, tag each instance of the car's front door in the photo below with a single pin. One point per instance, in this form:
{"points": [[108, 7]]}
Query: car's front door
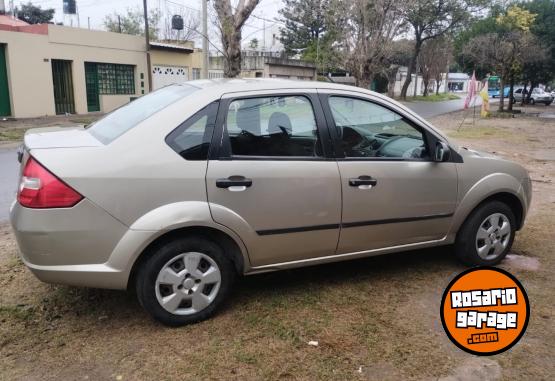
{"points": [[393, 193], [271, 181]]}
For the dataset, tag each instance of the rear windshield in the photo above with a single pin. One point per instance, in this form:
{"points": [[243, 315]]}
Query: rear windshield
{"points": [[126, 117]]}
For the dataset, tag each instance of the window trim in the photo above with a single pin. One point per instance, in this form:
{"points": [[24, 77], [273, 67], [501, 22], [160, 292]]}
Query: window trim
{"points": [[221, 143], [429, 138]]}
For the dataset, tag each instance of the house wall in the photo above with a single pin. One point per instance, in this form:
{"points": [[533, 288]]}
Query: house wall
{"points": [[29, 56], [174, 58]]}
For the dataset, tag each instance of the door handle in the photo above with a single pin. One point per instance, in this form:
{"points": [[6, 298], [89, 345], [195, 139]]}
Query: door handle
{"points": [[363, 182], [234, 183]]}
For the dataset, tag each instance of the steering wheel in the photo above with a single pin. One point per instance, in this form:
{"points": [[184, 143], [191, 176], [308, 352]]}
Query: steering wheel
{"points": [[413, 152], [354, 141]]}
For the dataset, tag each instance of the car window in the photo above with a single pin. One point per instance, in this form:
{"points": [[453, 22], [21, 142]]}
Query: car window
{"points": [[366, 129], [126, 117], [273, 126], [518, 91], [192, 139]]}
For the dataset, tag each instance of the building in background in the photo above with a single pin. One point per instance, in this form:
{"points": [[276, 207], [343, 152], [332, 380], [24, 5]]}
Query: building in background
{"points": [[48, 69], [174, 62], [258, 64]]}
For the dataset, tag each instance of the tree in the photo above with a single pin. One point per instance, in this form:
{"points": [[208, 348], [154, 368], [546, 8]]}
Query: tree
{"points": [[542, 70], [433, 61], [401, 53], [305, 22], [230, 24], [369, 37], [34, 15], [133, 22], [433, 18], [506, 49], [310, 31]]}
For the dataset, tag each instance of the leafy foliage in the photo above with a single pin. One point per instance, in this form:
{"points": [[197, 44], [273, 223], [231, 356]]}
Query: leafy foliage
{"points": [[33, 14], [132, 22]]}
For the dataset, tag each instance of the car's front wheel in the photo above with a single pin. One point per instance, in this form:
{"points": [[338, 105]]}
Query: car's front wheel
{"points": [[487, 235], [184, 281]]}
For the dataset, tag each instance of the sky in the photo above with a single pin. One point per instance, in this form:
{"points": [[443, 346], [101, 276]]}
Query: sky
{"points": [[94, 11]]}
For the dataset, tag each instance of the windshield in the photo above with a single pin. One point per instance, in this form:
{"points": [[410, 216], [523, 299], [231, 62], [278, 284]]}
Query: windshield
{"points": [[126, 117]]}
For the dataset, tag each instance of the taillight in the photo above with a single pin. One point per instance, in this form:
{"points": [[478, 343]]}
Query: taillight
{"points": [[41, 189]]}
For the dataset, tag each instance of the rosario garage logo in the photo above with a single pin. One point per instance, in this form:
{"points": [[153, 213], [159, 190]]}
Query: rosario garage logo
{"points": [[485, 311]]}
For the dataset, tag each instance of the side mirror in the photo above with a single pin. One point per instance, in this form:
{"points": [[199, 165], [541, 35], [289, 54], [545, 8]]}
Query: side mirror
{"points": [[442, 152]]}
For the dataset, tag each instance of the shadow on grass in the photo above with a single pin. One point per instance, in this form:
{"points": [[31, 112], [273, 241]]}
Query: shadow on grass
{"points": [[302, 285], [394, 265]]}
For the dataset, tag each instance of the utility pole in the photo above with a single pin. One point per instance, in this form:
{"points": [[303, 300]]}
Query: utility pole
{"points": [[147, 40], [205, 59]]}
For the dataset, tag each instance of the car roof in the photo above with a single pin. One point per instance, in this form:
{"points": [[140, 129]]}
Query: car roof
{"points": [[231, 85]]}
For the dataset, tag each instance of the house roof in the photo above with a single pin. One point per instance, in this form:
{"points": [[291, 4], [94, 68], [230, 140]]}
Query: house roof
{"points": [[10, 21], [171, 47]]}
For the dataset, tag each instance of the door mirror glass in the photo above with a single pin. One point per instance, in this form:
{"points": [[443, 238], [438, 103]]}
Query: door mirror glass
{"points": [[442, 152]]}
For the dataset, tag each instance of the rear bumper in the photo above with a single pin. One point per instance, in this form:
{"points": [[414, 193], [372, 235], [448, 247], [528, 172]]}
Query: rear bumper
{"points": [[79, 246]]}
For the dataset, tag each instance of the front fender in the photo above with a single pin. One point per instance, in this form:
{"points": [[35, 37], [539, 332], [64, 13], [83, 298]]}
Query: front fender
{"points": [[487, 186]]}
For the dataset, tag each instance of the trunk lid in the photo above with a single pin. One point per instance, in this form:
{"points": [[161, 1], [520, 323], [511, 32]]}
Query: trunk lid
{"points": [[59, 137]]}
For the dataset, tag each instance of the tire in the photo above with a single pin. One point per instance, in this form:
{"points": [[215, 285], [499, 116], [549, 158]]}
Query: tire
{"points": [[532, 101], [480, 243], [192, 275]]}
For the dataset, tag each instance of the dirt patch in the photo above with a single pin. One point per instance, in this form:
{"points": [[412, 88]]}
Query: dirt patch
{"points": [[376, 318], [476, 368], [520, 262]]}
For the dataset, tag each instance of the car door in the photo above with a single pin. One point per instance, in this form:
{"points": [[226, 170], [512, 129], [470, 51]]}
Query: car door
{"points": [[270, 180], [393, 193]]}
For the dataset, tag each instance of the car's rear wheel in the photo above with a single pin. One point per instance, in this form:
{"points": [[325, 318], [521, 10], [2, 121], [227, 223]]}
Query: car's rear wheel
{"points": [[532, 101], [487, 235], [185, 281]]}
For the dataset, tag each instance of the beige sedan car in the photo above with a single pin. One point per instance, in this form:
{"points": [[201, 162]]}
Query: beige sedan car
{"points": [[182, 190]]}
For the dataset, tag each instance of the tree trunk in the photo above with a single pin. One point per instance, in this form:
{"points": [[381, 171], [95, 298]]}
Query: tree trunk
{"points": [[501, 94], [411, 68], [529, 95], [391, 76], [365, 81], [425, 82], [232, 61], [438, 84], [523, 99], [511, 88]]}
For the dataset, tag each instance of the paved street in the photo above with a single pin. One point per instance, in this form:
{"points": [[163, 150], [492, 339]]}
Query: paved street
{"points": [[430, 109]]}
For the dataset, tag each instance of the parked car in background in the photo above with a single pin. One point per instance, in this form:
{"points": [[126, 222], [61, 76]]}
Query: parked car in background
{"points": [[494, 93], [177, 193], [538, 96]]}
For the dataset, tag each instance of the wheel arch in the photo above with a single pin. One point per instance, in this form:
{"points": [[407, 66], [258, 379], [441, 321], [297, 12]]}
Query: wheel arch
{"points": [[508, 198], [227, 243]]}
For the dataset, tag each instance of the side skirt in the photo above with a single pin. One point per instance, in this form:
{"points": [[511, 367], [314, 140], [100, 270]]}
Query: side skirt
{"points": [[347, 256]]}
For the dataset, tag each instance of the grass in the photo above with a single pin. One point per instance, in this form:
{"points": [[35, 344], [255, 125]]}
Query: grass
{"points": [[434, 97], [473, 132], [378, 315], [11, 134]]}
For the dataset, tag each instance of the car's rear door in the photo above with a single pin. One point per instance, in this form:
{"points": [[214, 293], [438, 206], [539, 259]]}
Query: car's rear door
{"points": [[270, 178], [393, 193]]}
